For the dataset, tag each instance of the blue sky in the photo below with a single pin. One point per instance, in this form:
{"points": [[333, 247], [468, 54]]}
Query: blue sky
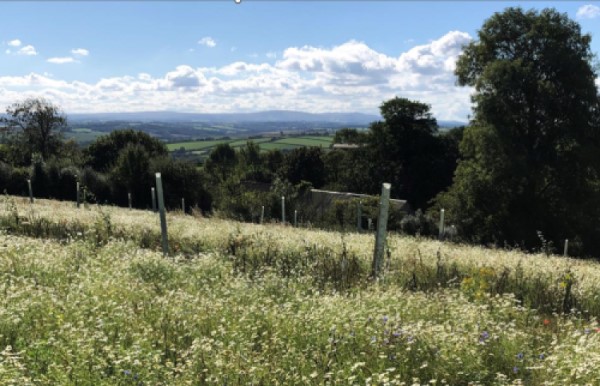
{"points": [[218, 56]]}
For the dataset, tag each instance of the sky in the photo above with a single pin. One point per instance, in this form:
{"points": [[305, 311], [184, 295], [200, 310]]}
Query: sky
{"points": [[219, 56]]}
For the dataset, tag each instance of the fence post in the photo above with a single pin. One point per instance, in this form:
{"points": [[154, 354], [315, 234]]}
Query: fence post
{"points": [[295, 218], [183, 204], [283, 210], [262, 214], [359, 217], [153, 193], [129, 199], [163, 216], [84, 196], [441, 234], [566, 251], [78, 197], [384, 205], [30, 191]]}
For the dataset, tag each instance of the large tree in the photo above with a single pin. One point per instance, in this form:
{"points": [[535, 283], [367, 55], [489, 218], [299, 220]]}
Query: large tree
{"points": [[104, 151], [530, 155], [406, 150], [37, 126]]}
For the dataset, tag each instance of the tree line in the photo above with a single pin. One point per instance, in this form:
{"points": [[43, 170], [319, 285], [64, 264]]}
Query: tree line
{"points": [[523, 173]]}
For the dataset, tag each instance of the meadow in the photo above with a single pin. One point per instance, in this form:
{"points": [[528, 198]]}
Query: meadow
{"points": [[89, 299]]}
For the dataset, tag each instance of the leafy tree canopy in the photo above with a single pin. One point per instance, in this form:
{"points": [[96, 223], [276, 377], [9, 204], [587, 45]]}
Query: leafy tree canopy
{"points": [[104, 151], [36, 124], [530, 156]]}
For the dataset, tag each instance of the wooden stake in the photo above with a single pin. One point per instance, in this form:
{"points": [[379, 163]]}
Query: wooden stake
{"points": [[359, 216], [30, 191], [153, 193], [381, 235], [441, 230], [163, 216]]}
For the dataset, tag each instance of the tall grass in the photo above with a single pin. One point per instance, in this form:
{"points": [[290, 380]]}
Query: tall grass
{"points": [[78, 313], [334, 260]]}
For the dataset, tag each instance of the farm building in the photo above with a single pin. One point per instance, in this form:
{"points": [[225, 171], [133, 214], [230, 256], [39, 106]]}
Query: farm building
{"points": [[323, 199]]}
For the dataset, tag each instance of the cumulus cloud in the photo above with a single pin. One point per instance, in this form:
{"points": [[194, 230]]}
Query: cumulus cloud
{"points": [[588, 11], [80, 52], [61, 60], [14, 43], [352, 57], [348, 77], [207, 41], [185, 77], [27, 50], [437, 57]]}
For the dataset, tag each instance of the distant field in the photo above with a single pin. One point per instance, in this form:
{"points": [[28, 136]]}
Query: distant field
{"points": [[305, 141], [83, 135], [201, 147]]}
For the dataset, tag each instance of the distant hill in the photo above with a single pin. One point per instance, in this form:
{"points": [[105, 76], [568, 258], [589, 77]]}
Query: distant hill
{"points": [[271, 116], [451, 124], [263, 116]]}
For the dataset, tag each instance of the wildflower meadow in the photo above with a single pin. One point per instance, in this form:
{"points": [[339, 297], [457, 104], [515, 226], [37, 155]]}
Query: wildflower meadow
{"points": [[89, 299]]}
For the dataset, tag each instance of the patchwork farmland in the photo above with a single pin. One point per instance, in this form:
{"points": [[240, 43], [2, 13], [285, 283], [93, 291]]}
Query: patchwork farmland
{"points": [[202, 149]]}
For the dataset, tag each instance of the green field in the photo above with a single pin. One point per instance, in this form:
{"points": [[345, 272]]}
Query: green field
{"points": [[88, 299], [201, 147], [83, 135]]}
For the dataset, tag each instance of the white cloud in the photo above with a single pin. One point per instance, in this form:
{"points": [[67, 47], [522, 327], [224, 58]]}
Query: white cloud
{"points": [[80, 52], [271, 55], [61, 60], [185, 77], [14, 43], [349, 77], [588, 11], [207, 41], [28, 50], [437, 57]]}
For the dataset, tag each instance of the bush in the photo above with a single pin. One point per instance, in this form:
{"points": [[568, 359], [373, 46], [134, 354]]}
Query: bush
{"points": [[97, 186], [418, 224], [182, 180]]}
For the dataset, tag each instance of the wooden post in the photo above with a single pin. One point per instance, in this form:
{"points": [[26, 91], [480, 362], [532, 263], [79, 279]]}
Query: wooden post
{"points": [[163, 216], [384, 206], [295, 218], [283, 210], [30, 191], [566, 251], [358, 216], [78, 197], [262, 214], [153, 193], [84, 196], [370, 223], [183, 205], [129, 199], [441, 231]]}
